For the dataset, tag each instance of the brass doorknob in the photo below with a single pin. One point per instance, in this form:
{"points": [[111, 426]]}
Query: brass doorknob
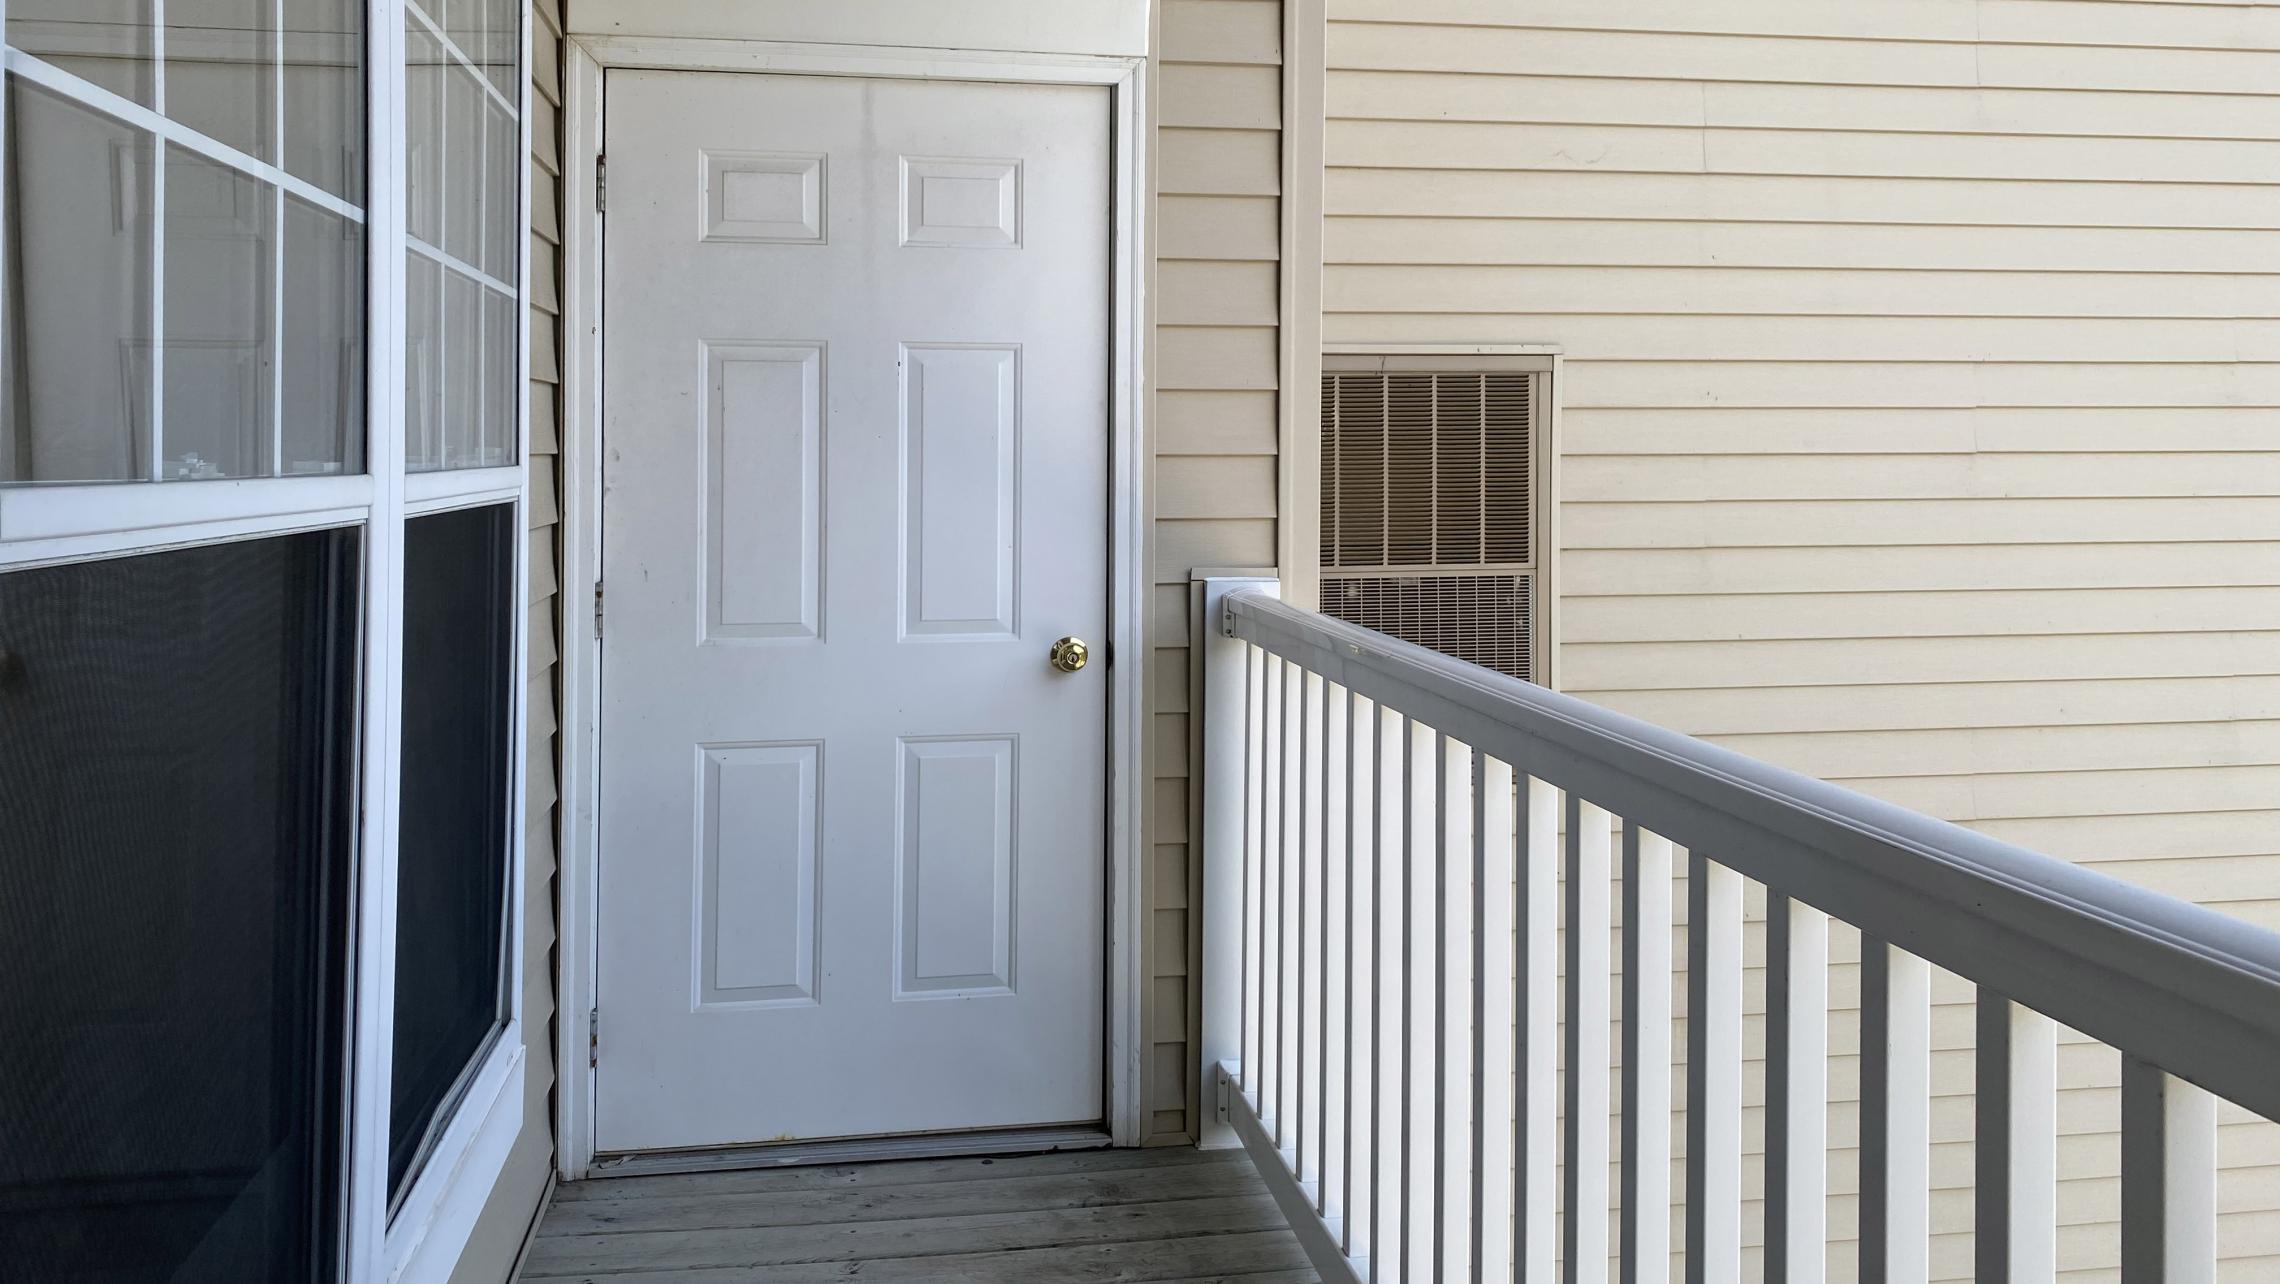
{"points": [[1070, 654]]}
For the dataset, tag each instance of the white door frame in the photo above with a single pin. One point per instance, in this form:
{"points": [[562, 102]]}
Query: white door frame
{"points": [[586, 58]]}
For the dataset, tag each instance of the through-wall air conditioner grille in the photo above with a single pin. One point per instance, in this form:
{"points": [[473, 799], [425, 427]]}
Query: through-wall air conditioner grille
{"points": [[1430, 482], [1427, 468], [1483, 619]]}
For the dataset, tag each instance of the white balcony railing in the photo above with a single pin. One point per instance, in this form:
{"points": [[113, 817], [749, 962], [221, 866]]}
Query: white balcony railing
{"points": [[1389, 952]]}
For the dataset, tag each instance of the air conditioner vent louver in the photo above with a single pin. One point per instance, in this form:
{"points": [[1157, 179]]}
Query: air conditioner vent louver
{"points": [[1426, 469], [1482, 619], [1428, 508]]}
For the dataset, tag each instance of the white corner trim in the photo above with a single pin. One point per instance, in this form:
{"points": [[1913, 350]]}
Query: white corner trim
{"points": [[1298, 429], [587, 60], [579, 879]]}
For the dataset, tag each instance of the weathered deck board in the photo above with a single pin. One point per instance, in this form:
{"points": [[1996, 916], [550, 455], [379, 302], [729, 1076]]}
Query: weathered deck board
{"points": [[1164, 1216]]}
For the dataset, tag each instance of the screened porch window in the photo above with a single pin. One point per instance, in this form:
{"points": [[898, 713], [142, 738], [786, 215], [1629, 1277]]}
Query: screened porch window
{"points": [[451, 889], [177, 810]]}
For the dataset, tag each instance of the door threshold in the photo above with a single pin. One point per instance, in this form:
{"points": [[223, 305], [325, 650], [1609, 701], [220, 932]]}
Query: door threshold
{"points": [[853, 1150]]}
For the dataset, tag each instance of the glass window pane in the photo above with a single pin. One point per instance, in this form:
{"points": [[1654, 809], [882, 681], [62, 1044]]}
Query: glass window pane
{"points": [[97, 387], [324, 94], [220, 321], [179, 772], [424, 74], [462, 371], [502, 378], [502, 27], [423, 363], [467, 161], [221, 71], [76, 405], [106, 41], [502, 192], [464, 104], [451, 890], [462, 22], [323, 414]]}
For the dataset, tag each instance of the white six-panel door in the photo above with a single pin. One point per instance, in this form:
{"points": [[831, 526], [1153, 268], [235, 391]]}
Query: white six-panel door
{"points": [[855, 487]]}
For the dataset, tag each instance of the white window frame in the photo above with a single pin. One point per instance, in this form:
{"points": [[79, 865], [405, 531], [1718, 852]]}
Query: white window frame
{"points": [[47, 524]]}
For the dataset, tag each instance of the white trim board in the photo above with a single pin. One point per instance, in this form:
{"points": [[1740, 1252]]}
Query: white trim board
{"points": [[1298, 428], [587, 60], [1112, 27]]}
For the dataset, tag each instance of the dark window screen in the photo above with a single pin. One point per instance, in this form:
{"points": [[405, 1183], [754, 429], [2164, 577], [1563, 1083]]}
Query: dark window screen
{"points": [[451, 889], [176, 817]]}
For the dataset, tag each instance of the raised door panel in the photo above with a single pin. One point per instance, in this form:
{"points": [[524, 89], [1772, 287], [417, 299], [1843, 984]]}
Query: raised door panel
{"points": [[961, 450], [758, 844], [955, 870], [763, 492]]}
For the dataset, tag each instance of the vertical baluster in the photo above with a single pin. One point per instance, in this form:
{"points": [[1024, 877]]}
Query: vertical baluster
{"points": [[1290, 858], [1306, 1057], [1713, 1072], [1420, 1047], [1457, 855], [1388, 1234], [1535, 1138], [1895, 1114], [1496, 1017], [1254, 845], [1262, 1080], [1361, 977], [1333, 1002], [1796, 1091], [2015, 1145], [1590, 1033], [2169, 1178], [1644, 1242]]}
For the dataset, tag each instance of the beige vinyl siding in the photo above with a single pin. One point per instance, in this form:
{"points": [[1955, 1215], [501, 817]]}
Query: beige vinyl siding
{"points": [[1218, 162], [1921, 420], [497, 1239]]}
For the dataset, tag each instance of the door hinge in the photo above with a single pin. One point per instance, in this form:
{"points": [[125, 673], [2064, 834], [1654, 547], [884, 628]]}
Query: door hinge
{"points": [[593, 1037], [597, 608], [601, 184]]}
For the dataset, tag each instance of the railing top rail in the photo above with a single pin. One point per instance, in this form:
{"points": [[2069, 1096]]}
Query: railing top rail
{"points": [[2169, 982]]}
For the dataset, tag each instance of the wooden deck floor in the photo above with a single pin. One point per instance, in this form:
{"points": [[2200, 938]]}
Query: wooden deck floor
{"points": [[1160, 1215]]}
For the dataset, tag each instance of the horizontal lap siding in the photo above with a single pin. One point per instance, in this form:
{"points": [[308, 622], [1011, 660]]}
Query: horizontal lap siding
{"points": [[1218, 235], [498, 1236], [1919, 431]]}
